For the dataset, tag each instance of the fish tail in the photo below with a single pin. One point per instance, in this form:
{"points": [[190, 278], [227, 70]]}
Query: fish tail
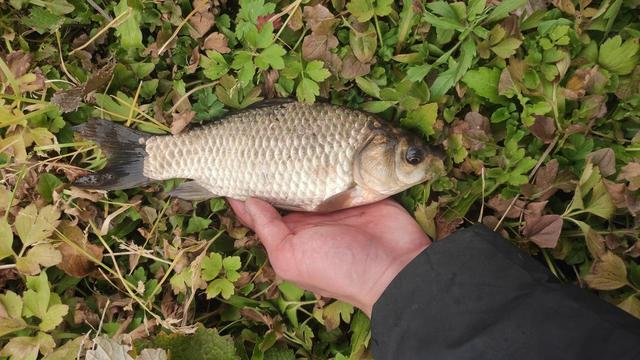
{"points": [[125, 149]]}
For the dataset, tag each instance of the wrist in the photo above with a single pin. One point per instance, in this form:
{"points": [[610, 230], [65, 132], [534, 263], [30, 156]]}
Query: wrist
{"points": [[369, 298]]}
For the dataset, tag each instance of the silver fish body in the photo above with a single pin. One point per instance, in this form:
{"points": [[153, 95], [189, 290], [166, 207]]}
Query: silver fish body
{"points": [[316, 157]]}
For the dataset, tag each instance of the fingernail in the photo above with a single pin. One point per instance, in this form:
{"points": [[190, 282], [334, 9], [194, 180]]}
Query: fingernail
{"points": [[248, 209]]}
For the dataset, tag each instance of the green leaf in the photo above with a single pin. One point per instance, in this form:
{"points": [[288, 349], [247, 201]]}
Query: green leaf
{"points": [[361, 9], [507, 47], [418, 72], [442, 23], [217, 204], [27, 348], [484, 82], [141, 70], [211, 266], [363, 43], [334, 311], [271, 56], [307, 90], [620, 58], [600, 203], [205, 344], [7, 326], [53, 317], [375, 107], [360, 334], [57, 7], [504, 8], [316, 71], [33, 226], [197, 224], [43, 20], [36, 298], [447, 79], [149, 88], [46, 184], [67, 351], [129, 30], [222, 287], [6, 239], [423, 118], [214, 65], [12, 303], [290, 291], [44, 255], [231, 263], [276, 353], [368, 86]]}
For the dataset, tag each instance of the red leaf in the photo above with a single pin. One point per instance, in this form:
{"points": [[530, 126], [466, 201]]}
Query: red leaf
{"points": [[543, 128], [544, 230]]}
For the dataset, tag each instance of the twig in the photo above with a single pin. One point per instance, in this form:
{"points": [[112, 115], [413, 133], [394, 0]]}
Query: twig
{"points": [[482, 206], [100, 10], [182, 23], [111, 23], [62, 65], [183, 97]]}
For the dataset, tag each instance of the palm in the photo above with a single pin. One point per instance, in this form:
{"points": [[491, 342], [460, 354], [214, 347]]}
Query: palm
{"points": [[350, 254]]}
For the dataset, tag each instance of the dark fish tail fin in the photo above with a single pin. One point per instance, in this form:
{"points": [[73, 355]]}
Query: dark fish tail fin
{"points": [[125, 149]]}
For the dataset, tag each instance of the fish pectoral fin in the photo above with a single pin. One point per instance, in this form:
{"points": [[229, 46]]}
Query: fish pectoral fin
{"points": [[353, 196], [191, 190]]}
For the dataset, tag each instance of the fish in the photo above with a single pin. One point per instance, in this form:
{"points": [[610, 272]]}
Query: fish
{"points": [[306, 157]]}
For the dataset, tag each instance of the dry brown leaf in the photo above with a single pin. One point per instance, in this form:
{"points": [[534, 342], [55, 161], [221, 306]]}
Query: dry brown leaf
{"points": [[194, 61], [75, 262], [181, 120], [607, 273], [216, 41], [605, 159], [500, 205], [70, 99], [83, 314], [18, 62], [535, 208], [317, 47], [595, 243], [631, 305], [543, 128], [565, 5], [544, 230], [295, 20], [352, 67], [270, 78], [446, 227], [631, 173], [319, 19], [201, 23]]}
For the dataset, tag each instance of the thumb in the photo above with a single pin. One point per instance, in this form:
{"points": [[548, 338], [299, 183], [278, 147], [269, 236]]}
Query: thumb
{"points": [[267, 223]]}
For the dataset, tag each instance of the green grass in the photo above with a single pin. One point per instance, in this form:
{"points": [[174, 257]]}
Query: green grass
{"points": [[536, 106]]}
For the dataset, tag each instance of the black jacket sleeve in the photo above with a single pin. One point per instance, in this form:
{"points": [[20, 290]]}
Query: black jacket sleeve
{"points": [[474, 295]]}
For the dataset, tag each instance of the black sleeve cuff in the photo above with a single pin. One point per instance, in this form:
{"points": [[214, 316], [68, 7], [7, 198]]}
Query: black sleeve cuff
{"points": [[474, 295]]}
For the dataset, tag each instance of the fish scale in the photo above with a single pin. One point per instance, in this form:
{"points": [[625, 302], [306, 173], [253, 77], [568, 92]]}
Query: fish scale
{"points": [[293, 154]]}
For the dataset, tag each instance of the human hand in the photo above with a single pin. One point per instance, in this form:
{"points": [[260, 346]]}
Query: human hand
{"points": [[351, 255]]}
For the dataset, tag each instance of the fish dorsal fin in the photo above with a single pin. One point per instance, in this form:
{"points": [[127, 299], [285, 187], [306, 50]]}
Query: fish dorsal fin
{"points": [[191, 190]]}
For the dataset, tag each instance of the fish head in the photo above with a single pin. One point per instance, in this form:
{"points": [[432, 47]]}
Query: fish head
{"points": [[393, 160]]}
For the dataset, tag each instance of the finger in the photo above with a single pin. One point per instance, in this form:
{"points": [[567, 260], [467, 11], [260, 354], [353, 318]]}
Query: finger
{"points": [[241, 212], [268, 224]]}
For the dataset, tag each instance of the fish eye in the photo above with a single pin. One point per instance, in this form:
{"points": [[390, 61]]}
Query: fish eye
{"points": [[414, 155]]}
